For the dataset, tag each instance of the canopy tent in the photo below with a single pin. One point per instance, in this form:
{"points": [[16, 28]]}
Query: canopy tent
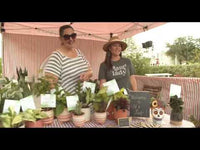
{"points": [[28, 44], [100, 31]]}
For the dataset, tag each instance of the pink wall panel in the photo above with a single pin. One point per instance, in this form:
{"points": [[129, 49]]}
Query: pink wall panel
{"points": [[30, 51]]}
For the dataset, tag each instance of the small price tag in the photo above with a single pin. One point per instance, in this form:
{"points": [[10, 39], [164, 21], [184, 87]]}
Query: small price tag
{"points": [[124, 122]]}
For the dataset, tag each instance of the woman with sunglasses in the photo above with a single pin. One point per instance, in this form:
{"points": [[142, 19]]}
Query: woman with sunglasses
{"points": [[67, 65], [117, 67]]}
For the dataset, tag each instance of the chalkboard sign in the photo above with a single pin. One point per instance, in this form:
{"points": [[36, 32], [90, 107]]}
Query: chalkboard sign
{"points": [[139, 104], [124, 122]]}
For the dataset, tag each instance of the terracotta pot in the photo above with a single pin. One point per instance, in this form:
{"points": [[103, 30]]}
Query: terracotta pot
{"points": [[65, 116], [100, 117], [120, 114], [87, 113], [49, 120], [110, 111], [78, 121], [37, 124]]}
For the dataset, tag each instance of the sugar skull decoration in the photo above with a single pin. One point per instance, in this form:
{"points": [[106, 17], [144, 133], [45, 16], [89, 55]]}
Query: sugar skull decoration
{"points": [[157, 111]]}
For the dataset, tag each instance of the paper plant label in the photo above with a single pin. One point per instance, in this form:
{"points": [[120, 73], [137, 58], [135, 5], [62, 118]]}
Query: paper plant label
{"points": [[112, 87], [89, 85], [27, 103], [48, 100], [175, 90], [71, 102], [11, 103]]}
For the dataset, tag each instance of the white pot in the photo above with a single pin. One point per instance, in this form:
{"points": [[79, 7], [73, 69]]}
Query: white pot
{"points": [[87, 113], [64, 116], [49, 120], [100, 117], [78, 121]]}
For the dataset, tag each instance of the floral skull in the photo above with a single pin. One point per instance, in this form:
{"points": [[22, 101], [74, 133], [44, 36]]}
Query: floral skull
{"points": [[158, 114]]}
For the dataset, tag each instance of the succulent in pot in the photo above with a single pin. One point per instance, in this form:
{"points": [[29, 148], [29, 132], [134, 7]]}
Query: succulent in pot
{"points": [[176, 116], [78, 117]]}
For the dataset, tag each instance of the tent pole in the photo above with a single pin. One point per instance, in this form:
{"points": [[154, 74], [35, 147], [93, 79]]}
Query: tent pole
{"points": [[2, 30]]}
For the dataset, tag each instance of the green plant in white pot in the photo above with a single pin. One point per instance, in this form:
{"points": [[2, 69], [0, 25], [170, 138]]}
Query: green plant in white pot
{"points": [[42, 90], [86, 97], [61, 111], [78, 117], [100, 105]]}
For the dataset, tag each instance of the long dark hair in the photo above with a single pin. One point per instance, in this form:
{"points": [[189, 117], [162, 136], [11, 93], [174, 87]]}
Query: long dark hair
{"points": [[108, 61]]}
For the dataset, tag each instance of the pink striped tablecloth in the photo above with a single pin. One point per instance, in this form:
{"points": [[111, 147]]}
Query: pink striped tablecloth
{"points": [[113, 124], [190, 92]]}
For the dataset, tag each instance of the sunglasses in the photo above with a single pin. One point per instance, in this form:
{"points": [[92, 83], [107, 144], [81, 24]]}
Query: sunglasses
{"points": [[67, 36]]}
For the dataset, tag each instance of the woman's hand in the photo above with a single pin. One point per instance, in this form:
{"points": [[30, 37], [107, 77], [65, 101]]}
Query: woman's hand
{"points": [[84, 76]]}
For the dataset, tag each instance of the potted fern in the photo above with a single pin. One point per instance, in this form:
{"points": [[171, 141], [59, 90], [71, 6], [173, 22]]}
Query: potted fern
{"points": [[40, 89], [78, 117], [33, 118], [100, 104], [61, 111], [176, 115]]}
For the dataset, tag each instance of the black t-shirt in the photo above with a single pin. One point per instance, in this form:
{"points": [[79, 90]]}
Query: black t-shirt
{"points": [[121, 71]]}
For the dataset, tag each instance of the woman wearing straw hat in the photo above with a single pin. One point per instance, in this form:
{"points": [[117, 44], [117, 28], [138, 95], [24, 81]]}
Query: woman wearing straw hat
{"points": [[117, 67]]}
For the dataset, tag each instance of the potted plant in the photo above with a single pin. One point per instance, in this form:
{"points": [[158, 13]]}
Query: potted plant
{"points": [[121, 105], [33, 118], [40, 88], [11, 119], [114, 102], [176, 115], [61, 111], [100, 104], [10, 90], [78, 117], [86, 98]]}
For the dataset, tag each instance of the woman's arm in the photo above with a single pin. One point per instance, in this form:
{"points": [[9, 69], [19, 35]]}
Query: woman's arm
{"points": [[133, 83], [101, 82]]}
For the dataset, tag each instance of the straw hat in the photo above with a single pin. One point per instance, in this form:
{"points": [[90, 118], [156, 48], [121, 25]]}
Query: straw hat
{"points": [[114, 39]]}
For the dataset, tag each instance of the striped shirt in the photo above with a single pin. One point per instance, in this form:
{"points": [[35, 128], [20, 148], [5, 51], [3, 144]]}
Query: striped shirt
{"points": [[67, 69]]}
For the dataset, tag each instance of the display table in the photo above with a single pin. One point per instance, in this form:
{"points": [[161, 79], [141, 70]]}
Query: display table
{"points": [[159, 75], [113, 124]]}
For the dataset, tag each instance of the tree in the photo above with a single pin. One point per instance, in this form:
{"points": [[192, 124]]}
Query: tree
{"points": [[186, 49], [140, 63]]}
